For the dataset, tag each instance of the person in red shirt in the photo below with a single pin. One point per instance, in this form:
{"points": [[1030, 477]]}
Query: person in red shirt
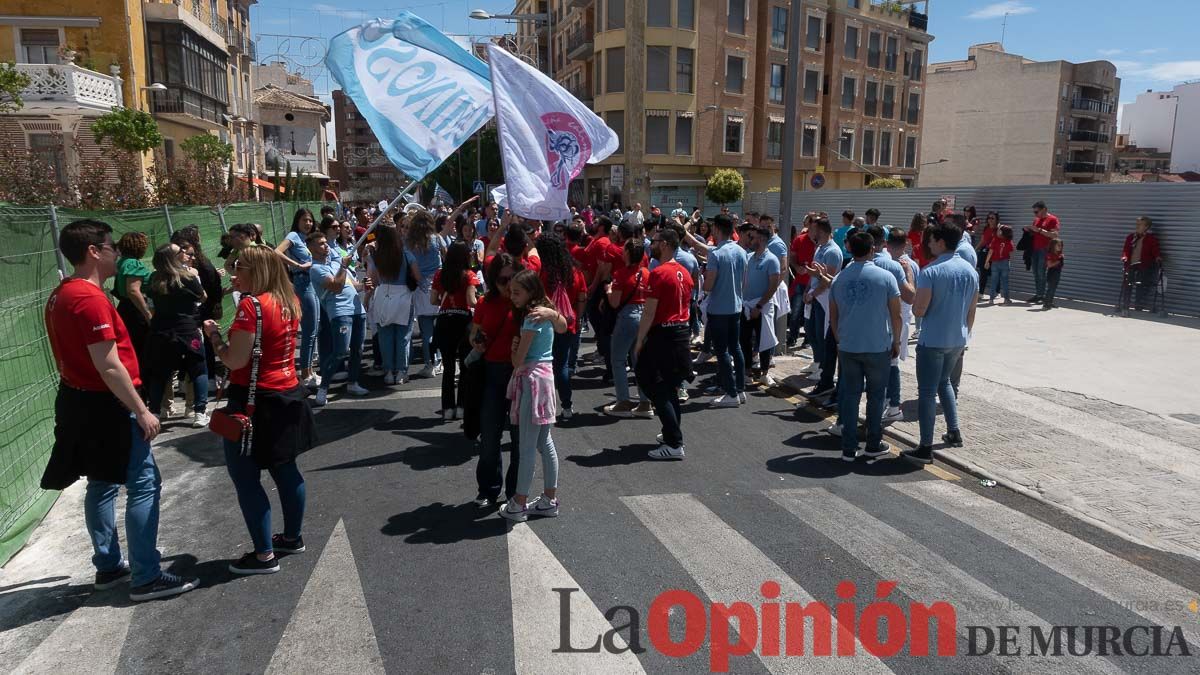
{"points": [[281, 417], [800, 254], [1045, 229], [626, 296], [663, 355], [566, 287], [454, 292], [983, 243], [1055, 260], [916, 239], [1000, 250], [1141, 257], [102, 428]]}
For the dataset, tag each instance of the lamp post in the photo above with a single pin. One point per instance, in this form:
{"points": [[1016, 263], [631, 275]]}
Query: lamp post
{"points": [[548, 17]]}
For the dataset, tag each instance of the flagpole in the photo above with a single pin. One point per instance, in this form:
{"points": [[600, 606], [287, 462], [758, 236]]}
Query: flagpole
{"points": [[499, 131], [383, 214]]}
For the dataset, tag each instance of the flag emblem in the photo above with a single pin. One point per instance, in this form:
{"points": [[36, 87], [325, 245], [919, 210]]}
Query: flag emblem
{"points": [[567, 147]]}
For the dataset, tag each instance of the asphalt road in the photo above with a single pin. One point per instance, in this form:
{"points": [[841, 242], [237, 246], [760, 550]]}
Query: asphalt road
{"points": [[404, 574]]}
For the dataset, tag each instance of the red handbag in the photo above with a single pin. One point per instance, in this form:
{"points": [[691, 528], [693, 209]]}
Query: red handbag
{"points": [[238, 427]]}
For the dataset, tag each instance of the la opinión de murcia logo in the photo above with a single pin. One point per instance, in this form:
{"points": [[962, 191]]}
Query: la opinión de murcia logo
{"points": [[883, 629]]}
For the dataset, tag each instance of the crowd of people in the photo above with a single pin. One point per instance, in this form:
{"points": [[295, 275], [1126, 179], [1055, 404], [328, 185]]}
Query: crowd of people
{"points": [[499, 305]]}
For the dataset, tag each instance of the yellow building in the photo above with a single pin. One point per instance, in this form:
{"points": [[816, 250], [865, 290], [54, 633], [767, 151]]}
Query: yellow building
{"points": [[187, 62]]}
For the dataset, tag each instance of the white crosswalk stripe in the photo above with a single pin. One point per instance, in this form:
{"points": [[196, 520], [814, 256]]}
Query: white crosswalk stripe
{"points": [[1102, 572], [925, 576], [706, 547]]}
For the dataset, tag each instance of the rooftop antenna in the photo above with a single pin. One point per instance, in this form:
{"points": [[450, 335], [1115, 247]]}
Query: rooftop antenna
{"points": [[1004, 29]]}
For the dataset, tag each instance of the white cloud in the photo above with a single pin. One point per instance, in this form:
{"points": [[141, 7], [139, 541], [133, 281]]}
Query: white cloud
{"points": [[1165, 71], [997, 10], [1152, 51], [1110, 52], [356, 14]]}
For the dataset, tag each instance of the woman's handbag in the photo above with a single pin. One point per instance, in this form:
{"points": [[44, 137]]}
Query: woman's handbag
{"points": [[229, 424]]}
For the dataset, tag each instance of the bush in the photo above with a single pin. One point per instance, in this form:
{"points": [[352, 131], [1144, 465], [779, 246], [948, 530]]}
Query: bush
{"points": [[12, 83], [725, 187], [886, 184], [130, 130]]}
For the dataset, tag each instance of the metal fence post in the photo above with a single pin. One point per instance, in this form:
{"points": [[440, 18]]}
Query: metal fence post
{"points": [[273, 230], [221, 218], [167, 214], [62, 262]]}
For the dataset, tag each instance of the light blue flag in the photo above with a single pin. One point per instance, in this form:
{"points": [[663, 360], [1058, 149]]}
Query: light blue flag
{"points": [[421, 93]]}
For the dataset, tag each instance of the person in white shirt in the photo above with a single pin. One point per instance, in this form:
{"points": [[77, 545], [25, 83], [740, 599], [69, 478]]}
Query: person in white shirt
{"points": [[679, 211], [635, 217]]}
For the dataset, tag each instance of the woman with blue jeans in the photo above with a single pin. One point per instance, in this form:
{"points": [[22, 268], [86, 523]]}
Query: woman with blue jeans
{"points": [[393, 271], [426, 248], [293, 251], [565, 285], [627, 295], [282, 418]]}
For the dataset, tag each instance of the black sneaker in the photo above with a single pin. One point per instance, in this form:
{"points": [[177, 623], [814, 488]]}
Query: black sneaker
{"points": [[882, 450], [953, 439], [282, 544], [107, 580], [922, 454], [1035, 299], [164, 586], [250, 564]]}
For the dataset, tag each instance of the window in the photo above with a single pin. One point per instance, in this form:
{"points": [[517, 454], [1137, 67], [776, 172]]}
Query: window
{"points": [[1061, 124], [853, 4], [194, 72], [658, 69], [658, 132], [846, 143], [616, 122], [683, 135], [775, 91], [779, 27], [737, 17], [1058, 157], [889, 101], [733, 133], [683, 70], [735, 74], [808, 140], [813, 36], [39, 45], [774, 140], [811, 78], [614, 71], [910, 152], [615, 15], [885, 148], [851, 42], [914, 108], [46, 147], [873, 50], [868, 146], [918, 63], [658, 13], [849, 85], [871, 103], [890, 54], [685, 14]]}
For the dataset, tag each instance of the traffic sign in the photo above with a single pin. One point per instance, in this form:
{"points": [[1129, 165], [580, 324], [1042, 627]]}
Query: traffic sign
{"points": [[479, 187], [818, 181]]}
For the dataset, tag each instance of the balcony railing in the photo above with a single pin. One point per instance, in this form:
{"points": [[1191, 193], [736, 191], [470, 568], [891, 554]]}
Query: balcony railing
{"points": [[1084, 167], [180, 101], [918, 21], [1092, 105], [237, 43], [251, 49], [1089, 136], [53, 85], [580, 44]]}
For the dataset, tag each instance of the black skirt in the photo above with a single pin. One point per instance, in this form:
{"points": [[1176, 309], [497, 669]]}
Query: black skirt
{"points": [[283, 424]]}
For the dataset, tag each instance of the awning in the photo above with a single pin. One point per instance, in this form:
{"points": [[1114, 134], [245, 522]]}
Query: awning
{"points": [[264, 184]]}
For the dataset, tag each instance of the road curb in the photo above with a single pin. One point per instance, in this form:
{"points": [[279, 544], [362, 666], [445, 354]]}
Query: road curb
{"points": [[790, 383]]}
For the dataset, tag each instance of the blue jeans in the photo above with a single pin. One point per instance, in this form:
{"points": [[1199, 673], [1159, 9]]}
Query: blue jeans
{"points": [[999, 278], [310, 311], [256, 507], [1039, 272], [426, 325], [934, 366], [893, 388], [624, 336], [856, 368], [393, 342], [143, 485], [493, 420], [346, 339], [725, 330], [534, 439], [566, 351], [814, 330]]}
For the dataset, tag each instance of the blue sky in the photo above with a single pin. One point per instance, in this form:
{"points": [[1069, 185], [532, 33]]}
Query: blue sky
{"points": [[1152, 43]]}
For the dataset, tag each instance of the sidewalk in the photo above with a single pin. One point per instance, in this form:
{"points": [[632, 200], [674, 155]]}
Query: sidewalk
{"points": [[1093, 414]]}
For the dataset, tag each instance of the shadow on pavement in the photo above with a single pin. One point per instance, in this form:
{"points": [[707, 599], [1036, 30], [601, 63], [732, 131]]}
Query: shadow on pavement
{"points": [[440, 523], [625, 455], [36, 603], [400, 425], [812, 465], [340, 422], [439, 452]]}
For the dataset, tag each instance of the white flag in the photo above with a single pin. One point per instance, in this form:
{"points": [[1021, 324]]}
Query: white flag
{"points": [[546, 136]]}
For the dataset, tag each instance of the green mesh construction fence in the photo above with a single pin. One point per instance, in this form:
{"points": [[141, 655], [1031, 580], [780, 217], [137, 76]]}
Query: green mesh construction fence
{"points": [[29, 270]]}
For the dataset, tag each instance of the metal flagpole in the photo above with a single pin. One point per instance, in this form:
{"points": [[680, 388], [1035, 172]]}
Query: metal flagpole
{"points": [[378, 219]]}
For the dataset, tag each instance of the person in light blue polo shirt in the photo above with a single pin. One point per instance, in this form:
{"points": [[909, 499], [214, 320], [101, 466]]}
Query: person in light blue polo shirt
{"points": [[947, 290], [865, 317], [337, 292], [723, 279], [763, 275], [967, 252]]}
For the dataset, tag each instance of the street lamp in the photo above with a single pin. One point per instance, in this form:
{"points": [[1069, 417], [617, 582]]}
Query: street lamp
{"points": [[484, 15]]}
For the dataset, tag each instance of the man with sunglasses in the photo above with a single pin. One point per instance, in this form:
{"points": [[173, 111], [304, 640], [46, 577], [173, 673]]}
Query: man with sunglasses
{"points": [[1045, 229]]}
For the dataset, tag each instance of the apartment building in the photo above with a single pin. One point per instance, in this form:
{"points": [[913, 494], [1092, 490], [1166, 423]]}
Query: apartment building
{"points": [[1001, 119], [693, 86], [1166, 120], [85, 57], [363, 170]]}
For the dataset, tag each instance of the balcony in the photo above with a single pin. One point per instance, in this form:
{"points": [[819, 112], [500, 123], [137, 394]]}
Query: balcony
{"points": [[251, 49], [1084, 167], [580, 45], [918, 21], [189, 107], [1092, 105], [1089, 137], [193, 14], [237, 43], [53, 87]]}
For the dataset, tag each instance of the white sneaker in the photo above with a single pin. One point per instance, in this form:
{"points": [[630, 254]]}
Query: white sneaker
{"points": [[893, 414], [543, 507], [741, 397], [437, 370], [702, 358], [835, 429], [766, 380], [172, 411], [199, 420], [355, 390], [514, 511], [726, 401], [812, 366], [567, 414], [389, 379], [322, 397], [340, 376], [313, 381], [683, 394], [666, 452], [427, 371]]}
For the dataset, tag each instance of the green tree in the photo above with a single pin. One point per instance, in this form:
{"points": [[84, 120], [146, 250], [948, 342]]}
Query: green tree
{"points": [[457, 173], [886, 184], [725, 187], [129, 130], [12, 83], [206, 150]]}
